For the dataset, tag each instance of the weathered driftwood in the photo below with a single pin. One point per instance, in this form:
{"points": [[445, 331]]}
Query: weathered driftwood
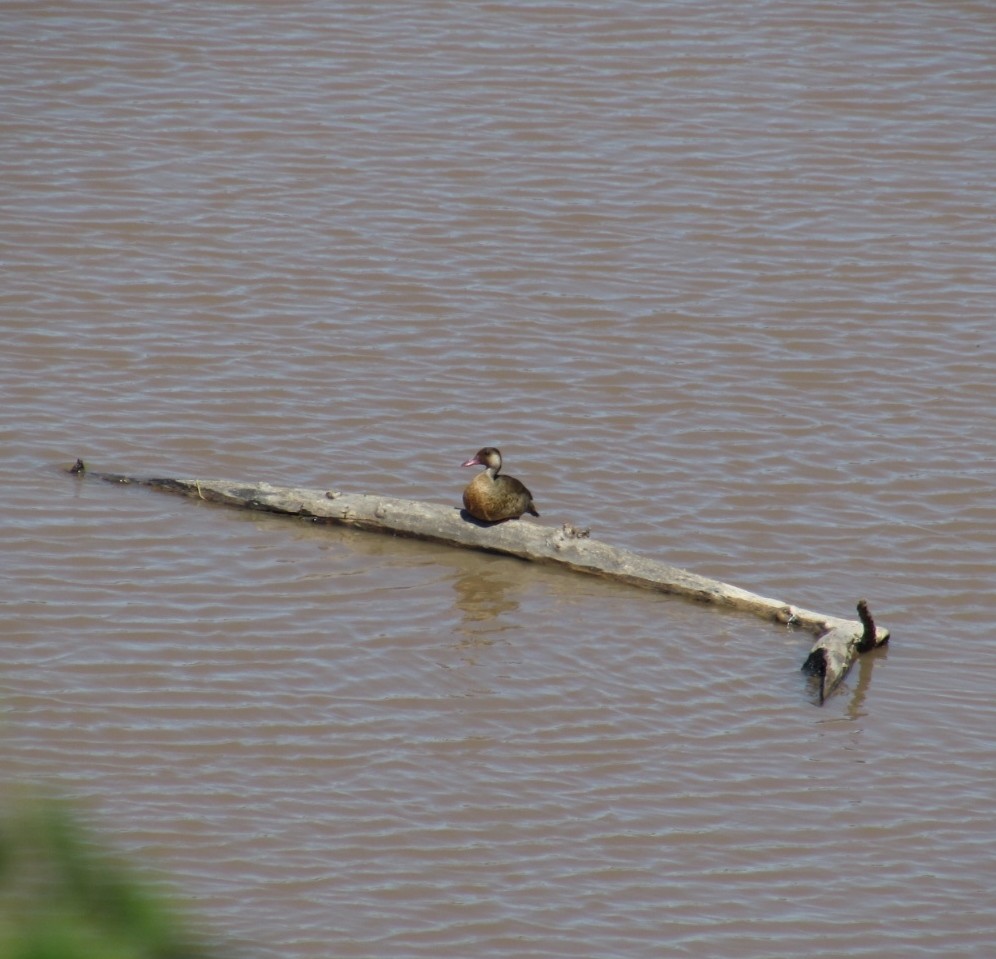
{"points": [[839, 641]]}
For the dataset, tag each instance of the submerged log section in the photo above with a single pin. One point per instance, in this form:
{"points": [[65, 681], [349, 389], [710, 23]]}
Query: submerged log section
{"points": [[839, 641]]}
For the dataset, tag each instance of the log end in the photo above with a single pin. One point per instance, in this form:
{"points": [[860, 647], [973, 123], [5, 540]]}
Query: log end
{"points": [[831, 657]]}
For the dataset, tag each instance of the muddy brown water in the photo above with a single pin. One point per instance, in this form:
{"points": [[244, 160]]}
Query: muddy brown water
{"points": [[719, 281]]}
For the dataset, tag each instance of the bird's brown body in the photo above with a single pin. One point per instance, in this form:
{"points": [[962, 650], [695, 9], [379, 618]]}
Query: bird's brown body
{"points": [[491, 497]]}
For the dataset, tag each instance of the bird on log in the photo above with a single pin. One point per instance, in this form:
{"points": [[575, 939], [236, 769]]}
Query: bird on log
{"points": [[491, 497], [839, 642]]}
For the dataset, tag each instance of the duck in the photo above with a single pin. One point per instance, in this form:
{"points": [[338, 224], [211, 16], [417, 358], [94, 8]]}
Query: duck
{"points": [[493, 498]]}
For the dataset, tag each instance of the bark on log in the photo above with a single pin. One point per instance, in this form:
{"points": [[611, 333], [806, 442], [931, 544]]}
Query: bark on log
{"points": [[839, 641]]}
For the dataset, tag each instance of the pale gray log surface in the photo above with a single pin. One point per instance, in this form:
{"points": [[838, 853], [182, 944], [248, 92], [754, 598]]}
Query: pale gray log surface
{"points": [[837, 646]]}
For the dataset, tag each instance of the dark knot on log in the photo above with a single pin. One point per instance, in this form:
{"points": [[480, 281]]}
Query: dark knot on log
{"points": [[817, 664], [867, 640]]}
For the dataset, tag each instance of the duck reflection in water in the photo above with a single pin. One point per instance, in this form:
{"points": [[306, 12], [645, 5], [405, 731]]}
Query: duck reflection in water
{"points": [[491, 497]]}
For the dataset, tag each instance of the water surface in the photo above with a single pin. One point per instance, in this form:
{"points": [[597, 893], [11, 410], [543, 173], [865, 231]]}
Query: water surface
{"points": [[717, 279]]}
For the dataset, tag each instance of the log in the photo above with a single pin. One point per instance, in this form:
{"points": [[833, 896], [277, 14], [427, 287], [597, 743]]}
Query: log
{"points": [[839, 641]]}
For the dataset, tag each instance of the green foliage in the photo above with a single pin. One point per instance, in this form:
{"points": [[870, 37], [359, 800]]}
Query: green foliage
{"points": [[63, 897]]}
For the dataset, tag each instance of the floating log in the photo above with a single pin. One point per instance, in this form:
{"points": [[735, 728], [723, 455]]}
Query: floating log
{"points": [[839, 641]]}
